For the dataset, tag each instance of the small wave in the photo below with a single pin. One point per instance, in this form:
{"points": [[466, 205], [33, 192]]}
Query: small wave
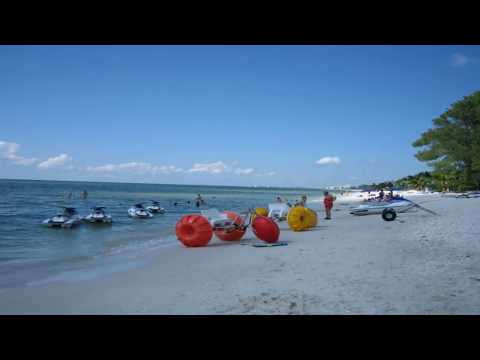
{"points": [[88, 274], [144, 245]]}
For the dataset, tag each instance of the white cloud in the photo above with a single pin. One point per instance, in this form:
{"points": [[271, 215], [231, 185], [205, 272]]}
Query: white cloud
{"points": [[137, 167], [328, 160], [216, 167], [212, 168], [271, 173], [55, 161], [458, 60], [8, 151], [243, 171], [219, 167]]}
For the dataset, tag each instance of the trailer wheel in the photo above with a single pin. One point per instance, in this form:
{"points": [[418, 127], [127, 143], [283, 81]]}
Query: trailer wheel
{"points": [[389, 215]]}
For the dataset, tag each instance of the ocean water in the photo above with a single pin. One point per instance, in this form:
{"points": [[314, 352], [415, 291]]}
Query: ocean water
{"points": [[30, 251]]}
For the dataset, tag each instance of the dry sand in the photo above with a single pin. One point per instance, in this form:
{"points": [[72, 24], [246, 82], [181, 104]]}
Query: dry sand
{"points": [[417, 264]]}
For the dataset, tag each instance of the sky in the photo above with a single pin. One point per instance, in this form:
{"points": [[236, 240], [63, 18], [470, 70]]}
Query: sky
{"points": [[295, 116]]}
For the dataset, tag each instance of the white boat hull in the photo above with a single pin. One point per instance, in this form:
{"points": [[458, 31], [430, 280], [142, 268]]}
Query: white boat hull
{"points": [[93, 218], [138, 213], [61, 221], [155, 209], [369, 209]]}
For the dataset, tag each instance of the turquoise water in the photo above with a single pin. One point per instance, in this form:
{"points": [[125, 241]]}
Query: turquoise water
{"points": [[27, 247]]}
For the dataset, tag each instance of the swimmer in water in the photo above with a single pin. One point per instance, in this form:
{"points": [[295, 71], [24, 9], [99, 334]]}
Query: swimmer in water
{"points": [[199, 200]]}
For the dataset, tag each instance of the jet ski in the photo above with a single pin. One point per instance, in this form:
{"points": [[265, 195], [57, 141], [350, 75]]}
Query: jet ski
{"points": [[68, 219], [469, 195], [138, 211], [473, 194], [98, 216], [377, 207], [155, 207]]}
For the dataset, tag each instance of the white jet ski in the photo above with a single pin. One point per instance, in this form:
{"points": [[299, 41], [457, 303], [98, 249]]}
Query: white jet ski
{"points": [[155, 207], [68, 219], [98, 216], [469, 195], [374, 207], [138, 211]]}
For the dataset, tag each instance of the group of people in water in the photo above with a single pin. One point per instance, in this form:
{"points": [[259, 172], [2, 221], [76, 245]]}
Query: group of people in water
{"points": [[83, 195], [327, 201], [198, 201]]}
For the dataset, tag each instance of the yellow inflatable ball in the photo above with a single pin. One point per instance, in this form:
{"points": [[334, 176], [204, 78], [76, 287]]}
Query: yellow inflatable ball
{"points": [[298, 218], [312, 218]]}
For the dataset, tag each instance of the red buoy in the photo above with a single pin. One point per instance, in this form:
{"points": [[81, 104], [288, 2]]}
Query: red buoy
{"points": [[194, 231], [265, 229], [233, 235]]}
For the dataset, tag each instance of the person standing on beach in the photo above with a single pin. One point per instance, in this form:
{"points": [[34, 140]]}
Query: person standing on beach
{"points": [[381, 195], [328, 202], [303, 202]]}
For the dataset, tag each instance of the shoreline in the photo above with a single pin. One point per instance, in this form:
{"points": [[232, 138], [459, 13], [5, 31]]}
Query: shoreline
{"points": [[418, 264], [22, 272]]}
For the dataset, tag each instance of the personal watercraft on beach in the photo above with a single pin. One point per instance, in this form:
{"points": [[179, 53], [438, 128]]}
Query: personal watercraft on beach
{"points": [[377, 207], [155, 207], [98, 216], [138, 211], [68, 219], [468, 195]]}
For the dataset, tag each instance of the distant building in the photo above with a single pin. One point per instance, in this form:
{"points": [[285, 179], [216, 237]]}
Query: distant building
{"points": [[339, 187]]}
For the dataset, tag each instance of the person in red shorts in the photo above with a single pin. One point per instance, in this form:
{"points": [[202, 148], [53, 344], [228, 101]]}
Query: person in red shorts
{"points": [[328, 202]]}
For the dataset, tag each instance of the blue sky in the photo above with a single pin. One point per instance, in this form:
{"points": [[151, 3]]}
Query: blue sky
{"points": [[226, 115]]}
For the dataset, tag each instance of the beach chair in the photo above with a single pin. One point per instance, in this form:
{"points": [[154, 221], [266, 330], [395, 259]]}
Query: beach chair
{"points": [[278, 211], [220, 220], [217, 219]]}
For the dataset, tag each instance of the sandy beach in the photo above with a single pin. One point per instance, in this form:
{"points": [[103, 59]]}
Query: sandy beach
{"points": [[417, 264]]}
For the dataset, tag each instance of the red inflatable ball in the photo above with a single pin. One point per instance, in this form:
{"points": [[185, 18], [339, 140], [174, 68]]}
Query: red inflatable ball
{"points": [[234, 235], [265, 229], [194, 231]]}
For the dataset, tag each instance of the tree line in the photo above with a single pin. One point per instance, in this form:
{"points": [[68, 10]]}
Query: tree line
{"points": [[451, 148]]}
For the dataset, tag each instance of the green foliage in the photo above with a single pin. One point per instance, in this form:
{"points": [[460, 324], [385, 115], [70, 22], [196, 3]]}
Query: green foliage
{"points": [[452, 146], [435, 181]]}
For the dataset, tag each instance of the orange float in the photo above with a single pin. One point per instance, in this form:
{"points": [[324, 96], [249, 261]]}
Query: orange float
{"points": [[232, 235], [265, 229], [194, 231]]}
